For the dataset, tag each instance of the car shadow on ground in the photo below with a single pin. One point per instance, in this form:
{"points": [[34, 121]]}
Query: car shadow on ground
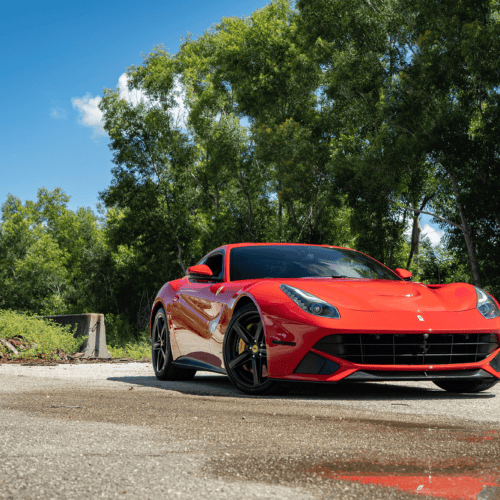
{"points": [[207, 384]]}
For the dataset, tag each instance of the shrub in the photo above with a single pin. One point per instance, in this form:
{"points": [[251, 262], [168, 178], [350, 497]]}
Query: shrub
{"points": [[119, 331], [134, 351], [44, 336]]}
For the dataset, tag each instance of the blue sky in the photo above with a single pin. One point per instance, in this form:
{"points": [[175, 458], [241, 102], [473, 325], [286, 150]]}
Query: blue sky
{"points": [[57, 56], [57, 51]]}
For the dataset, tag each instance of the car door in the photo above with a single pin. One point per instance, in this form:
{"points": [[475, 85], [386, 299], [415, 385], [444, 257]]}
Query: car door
{"points": [[195, 309]]}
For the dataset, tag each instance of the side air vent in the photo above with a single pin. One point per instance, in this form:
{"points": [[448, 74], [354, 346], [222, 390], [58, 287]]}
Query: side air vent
{"points": [[495, 364], [317, 365]]}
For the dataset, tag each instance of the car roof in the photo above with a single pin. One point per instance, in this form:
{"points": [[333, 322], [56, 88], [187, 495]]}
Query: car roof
{"points": [[245, 244]]}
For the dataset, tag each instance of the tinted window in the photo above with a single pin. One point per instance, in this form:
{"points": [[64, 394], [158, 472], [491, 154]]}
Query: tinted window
{"points": [[290, 261]]}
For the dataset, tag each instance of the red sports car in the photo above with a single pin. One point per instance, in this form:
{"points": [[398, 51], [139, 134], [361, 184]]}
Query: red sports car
{"points": [[270, 313]]}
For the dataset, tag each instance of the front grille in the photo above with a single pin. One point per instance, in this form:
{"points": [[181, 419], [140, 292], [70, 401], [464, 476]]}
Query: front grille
{"points": [[410, 349]]}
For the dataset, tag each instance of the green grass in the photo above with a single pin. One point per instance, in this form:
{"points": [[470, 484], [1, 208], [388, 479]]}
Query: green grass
{"points": [[126, 341], [42, 338], [132, 350]]}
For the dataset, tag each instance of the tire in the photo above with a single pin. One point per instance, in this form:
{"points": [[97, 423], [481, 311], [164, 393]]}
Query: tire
{"points": [[161, 352], [465, 386], [245, 354]]}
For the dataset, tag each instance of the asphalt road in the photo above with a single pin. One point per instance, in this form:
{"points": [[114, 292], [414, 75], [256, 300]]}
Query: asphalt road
{"points": [[113, 430]]}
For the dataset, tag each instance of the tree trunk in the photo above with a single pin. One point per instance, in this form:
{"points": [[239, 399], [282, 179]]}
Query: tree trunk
{"points": [[415, 239], [415, 234], [280, 221], [466, 232], [250, 212]]}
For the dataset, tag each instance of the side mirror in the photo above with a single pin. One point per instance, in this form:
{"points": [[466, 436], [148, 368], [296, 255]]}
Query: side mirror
{"points": [[199, 272], [403, 273]]}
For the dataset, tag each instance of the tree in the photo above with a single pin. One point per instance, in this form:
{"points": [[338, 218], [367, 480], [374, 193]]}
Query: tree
{"points": [[53, 260], [255, 69], [239, 168], [417, 84]]}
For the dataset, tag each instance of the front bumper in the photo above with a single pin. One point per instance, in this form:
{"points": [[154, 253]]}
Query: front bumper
{"points": [[296, 352]]}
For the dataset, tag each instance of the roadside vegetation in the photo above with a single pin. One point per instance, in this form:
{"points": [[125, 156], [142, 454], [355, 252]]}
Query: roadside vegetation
{"points": [[316, 121], [136, 350], [23, 336]]}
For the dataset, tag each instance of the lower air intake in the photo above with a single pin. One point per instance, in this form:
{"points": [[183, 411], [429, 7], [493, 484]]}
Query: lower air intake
{"points": [[314, 364], [410, 349]]}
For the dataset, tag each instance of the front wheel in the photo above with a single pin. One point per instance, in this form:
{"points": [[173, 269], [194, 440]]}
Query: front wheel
{"points": [[161, 352], [470, 386], [245, 354]]}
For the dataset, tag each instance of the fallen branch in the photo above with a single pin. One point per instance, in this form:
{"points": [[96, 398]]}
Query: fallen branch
{"points": [[9, 346], [416, 210]]}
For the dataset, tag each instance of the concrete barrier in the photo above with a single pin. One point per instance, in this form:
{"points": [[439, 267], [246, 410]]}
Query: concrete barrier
{"points": [[90, 324]]}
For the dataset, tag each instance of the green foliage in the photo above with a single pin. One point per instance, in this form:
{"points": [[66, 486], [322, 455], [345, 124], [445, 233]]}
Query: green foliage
{"points": [[45, 336], [31, 263], [137, 350], [49, 255], [119, 331], [412, 87], [320, 121], [125, 340], [438, 265]]}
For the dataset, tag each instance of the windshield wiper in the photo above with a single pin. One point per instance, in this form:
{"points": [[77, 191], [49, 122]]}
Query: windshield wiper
{"points": [[342, 277]]}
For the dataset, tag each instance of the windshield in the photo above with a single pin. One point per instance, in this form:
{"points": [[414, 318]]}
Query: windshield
{"points": [[301, 261]]}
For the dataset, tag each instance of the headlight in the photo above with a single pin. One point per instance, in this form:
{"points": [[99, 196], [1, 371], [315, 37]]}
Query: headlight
{"points": [[486, 305], [310, 303]]}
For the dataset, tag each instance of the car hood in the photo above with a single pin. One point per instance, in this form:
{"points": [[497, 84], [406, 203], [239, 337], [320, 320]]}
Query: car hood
{"points": [[385, 295]]}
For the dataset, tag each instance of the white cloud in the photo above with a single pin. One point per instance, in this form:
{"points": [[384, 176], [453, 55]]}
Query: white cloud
{"points": [[133, 96], [90, 114], [180, 112], [435, 235]]}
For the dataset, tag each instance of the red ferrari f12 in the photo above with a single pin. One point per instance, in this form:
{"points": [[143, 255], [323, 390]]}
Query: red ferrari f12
{"points": [[267, 314]]}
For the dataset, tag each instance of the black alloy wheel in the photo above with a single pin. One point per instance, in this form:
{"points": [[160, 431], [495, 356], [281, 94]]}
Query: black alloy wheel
{"points": [[464, 386], [245, 354], [161, 352]]}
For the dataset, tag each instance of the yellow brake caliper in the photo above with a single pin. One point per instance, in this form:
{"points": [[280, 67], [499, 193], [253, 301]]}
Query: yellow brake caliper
{"points": [[241, 345]]}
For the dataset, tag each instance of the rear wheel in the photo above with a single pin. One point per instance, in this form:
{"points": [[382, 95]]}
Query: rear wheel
{"points": [[245, 354], [161, 352], [465, 386]]}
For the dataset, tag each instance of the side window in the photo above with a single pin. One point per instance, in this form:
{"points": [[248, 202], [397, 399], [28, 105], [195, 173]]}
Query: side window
{"points": [[216, 264]]}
